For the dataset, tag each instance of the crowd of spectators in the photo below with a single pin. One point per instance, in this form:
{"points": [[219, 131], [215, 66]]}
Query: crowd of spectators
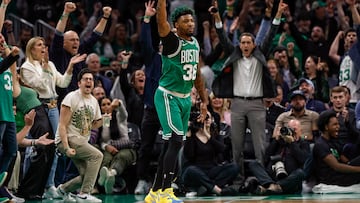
{"points": [[305, 61]]}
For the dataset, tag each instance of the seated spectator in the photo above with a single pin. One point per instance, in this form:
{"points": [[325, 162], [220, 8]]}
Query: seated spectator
{"points": [[119, 152], [283, 172], [308, 88], [273, 110], [348, 134], [329, 168], [220, 110], [201, 170], [307, 118], [98, 93]]}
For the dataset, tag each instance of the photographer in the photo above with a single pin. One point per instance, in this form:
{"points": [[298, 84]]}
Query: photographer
{"points": [[284, 160], [201, 169]]}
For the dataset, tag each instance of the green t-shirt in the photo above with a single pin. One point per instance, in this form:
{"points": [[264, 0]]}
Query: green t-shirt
{"points": [[6, 101]]}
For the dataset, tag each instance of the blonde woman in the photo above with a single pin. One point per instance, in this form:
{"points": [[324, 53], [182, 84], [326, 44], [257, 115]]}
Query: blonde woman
{"points": [[41, 74]]}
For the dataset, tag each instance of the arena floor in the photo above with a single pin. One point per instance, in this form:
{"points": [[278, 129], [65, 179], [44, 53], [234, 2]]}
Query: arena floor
{"points": [[308, 198]]}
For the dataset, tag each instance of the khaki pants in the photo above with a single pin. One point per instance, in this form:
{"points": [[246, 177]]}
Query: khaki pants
{"points": [[87, 160], [120, 161]]}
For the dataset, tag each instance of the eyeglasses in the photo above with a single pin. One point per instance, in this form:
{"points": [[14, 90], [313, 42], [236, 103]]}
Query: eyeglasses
{"points": [[85, 79]]}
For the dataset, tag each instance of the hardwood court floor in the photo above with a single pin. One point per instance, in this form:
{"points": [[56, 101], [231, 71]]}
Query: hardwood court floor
{"points": [[308, 198]]}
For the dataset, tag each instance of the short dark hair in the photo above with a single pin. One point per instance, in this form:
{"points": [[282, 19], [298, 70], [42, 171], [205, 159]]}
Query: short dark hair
{"points": [[82, 72], [247, 34], [180, 11], [349, 30], [324, 119]]}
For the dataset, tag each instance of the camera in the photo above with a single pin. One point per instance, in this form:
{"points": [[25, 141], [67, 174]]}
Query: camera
{"points": [[286, 131], [213, 10], [279, 169], [109, 73], [194, 123]]}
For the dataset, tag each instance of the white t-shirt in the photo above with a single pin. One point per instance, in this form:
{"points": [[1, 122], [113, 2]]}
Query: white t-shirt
{"points": [[83, 112]]}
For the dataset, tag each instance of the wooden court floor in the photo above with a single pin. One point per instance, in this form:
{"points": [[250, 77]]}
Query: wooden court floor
{"points": [[308, 198]]}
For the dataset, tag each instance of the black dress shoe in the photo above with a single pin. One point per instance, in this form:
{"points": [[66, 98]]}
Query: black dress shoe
{"points": [[231, 190]]}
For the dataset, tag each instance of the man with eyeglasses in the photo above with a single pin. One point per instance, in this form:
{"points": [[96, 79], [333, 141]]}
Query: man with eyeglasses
{"points": [[80, 112]]}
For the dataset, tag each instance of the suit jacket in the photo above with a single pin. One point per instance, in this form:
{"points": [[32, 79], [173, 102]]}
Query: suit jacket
{"points": [[224, 83]]}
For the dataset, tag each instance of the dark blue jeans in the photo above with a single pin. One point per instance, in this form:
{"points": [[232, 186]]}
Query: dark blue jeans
{"points": [[8, 144], [194, 176], [290, 185]]}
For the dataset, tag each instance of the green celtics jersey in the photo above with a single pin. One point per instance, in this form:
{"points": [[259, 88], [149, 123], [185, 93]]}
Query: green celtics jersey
{"points": [[179, 69], [6, 109]]}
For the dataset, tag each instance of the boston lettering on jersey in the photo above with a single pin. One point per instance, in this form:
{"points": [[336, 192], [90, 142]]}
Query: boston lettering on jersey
{"points": [[189, 56]]}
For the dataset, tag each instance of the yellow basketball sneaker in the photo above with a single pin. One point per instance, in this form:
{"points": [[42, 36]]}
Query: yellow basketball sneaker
{"points": [[153, 197], [168, 196]]}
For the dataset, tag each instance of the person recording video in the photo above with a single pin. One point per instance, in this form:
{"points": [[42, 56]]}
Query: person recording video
{"points": [[284, 160]]}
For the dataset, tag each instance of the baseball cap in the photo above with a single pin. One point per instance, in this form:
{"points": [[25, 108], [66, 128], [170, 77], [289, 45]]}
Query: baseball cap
{"points": [[318, 4], [307, 81], [296, 93]]}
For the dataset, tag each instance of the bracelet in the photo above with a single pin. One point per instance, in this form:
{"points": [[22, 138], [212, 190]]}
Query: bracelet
{"points": [[124, 62], [106, 18], [63, 16], [33, 142], [3, 5], [147, 17], [66, 149], [229, 8]]}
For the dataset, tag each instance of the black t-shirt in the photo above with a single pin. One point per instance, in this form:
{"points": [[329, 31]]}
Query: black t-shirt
{"points": [[324, 173]]}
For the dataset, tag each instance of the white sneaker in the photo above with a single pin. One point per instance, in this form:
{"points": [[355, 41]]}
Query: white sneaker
{"points": [[103, 174], [87, 198], [191, 194], [51, 193], [110, 181], [142, 188], [65, 196], [14, 198]]}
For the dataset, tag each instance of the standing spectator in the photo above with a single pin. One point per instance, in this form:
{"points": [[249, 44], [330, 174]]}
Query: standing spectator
{"points": [[8, 144], [278, 75], [80, 112], [349, 68], [133, 90], [180, 73], [314, 72], [41, 74], [93, 64], [66, 45], [63, 47], [314, 45], [150, 124], [246, 68]]}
